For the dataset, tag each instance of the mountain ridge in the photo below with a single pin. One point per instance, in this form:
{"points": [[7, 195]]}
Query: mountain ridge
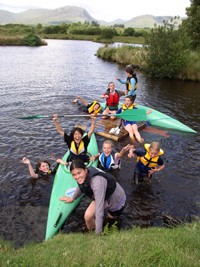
{"points": [[68, 14]]}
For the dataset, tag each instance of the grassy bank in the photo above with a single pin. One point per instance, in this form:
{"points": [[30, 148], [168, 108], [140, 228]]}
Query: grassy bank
{"points": [[30, 40], [125, 55], [138, 247]]}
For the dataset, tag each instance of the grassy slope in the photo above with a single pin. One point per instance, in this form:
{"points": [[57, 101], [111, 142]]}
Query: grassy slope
{"points": [[139, 247]]}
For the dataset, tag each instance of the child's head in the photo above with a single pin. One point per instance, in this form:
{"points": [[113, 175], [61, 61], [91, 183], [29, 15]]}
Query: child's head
{"points": [[129, 70], [107, 147], [43, 166], [128, 101], [111, 86], [154, 149], [97, 106], [76, 134]]}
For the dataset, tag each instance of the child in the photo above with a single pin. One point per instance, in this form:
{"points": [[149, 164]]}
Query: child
{"points": [[131, 82], [149, 160], [76, 141], [93, 108], [131, 126], [112, 97], [107, 160], [42, 168]]}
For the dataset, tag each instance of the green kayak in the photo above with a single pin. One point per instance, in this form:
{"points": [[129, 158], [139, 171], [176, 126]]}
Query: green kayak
{"points": [[64, 184], [159, 119]]}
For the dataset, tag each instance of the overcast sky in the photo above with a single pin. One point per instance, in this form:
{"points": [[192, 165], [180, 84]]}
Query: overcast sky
{"points": [[106, 10]]}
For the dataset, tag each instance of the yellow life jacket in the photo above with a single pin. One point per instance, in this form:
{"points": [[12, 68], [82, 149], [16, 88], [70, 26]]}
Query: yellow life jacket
{"points": [[147, 160], [91, 108], [80, 150], [128, 84], [131, 106]]}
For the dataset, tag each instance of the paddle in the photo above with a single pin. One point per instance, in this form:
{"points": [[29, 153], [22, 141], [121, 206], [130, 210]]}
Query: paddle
{"points": [[130, 115]]}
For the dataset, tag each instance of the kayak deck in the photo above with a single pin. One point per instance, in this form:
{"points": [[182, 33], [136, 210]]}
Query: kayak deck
{"points": [[103, 126]]}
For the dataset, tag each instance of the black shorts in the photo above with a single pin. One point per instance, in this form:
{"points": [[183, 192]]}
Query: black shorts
{"points": [[116, 213]]}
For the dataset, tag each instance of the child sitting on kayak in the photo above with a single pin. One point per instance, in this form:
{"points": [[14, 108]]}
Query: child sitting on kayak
{"points": [[107, 159], [131, 126], [43, 169], [76, 141], [93, 108], [149, 160]]}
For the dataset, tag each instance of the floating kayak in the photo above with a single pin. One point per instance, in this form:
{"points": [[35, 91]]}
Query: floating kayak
{"points": [[64, 184], [159, 119]]}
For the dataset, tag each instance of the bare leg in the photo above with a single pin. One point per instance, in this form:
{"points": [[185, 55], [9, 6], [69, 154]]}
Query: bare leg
{"points": [[90, 216], [137, 134], [129, 129]]}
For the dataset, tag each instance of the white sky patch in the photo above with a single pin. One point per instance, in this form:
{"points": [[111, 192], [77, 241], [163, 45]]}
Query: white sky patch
{"points": [[109, 10]]}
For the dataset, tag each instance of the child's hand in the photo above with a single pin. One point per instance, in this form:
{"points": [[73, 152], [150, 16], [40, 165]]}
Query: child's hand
{"points": [[66, 199], [25, 161], [128, 147], [55, 117], [92, 158], [131, 154]]}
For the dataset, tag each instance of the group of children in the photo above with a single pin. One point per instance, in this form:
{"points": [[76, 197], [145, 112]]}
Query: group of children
{"points": [[149, 157]]}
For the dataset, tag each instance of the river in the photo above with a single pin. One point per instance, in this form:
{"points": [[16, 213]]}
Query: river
{"points": [[43, 81]]}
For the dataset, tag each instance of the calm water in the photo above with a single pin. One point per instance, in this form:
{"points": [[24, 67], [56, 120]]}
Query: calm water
{"points": [[43, 81]]}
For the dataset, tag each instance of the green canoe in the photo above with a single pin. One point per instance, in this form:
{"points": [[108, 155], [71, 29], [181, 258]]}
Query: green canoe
{"points": [[159, 119], [64, 184]]}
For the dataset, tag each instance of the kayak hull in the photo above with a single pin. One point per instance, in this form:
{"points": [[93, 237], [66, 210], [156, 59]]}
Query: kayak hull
{"points": [[64, 184], [159, 119]]}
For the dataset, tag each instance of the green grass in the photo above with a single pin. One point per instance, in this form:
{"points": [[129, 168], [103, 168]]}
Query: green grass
{"points": [[137, 247]]}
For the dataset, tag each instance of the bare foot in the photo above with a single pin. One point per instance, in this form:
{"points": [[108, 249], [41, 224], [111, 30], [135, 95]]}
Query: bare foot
{"points": [[75, 101], [141, 141]]}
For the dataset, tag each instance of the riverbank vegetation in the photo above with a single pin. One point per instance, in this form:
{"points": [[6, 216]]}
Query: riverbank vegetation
{"points": [[137, 247]]}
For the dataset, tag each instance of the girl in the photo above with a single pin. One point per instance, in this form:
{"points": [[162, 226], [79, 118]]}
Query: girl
{"points": [[131, 82], [104, 191], [93, 108], [131, 126], [42, 168], [76, 142]]}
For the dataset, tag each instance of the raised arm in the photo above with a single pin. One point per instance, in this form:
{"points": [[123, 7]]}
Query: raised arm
{"points": [[30, 168], [123, 151], [92, 127], [57, 125]]}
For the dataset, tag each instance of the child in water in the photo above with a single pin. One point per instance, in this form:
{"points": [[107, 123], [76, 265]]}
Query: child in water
{"points": [[43, 169], [149, 160], [93, 108], [107, 159]]}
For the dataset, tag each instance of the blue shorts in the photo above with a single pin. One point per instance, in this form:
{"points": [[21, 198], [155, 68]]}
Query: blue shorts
{"points": [[129, 122]]}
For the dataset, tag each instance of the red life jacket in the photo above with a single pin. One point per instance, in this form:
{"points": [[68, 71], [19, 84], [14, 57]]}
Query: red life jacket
{"points": [[113, 99]]}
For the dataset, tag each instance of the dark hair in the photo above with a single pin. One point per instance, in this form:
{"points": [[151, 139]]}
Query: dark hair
{"points": [[38, 165], [129, 69], [129, 97], [74, 130], [77, 164]]}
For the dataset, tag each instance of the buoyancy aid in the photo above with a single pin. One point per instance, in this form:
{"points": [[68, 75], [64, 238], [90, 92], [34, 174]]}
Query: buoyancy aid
{"points": [[147, 160], [86, 188], [113, 99], [91, 108], [131, 106], [128, 83], [108, 162], [77, 151]]}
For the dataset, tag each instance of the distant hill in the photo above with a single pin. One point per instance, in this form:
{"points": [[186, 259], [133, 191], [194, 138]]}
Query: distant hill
{"points": [[70, 14]]}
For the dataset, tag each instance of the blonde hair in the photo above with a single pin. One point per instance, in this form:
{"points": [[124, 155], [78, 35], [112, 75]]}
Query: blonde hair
{"points": [[108, 142], [155, 145]]}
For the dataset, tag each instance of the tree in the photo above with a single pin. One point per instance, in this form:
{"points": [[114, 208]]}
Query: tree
{"points": [[192, 23], [129, 32], [166, 51]]}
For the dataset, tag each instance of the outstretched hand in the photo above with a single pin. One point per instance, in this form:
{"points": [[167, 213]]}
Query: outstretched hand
{"points": [[66, 199], [25, 161]]}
